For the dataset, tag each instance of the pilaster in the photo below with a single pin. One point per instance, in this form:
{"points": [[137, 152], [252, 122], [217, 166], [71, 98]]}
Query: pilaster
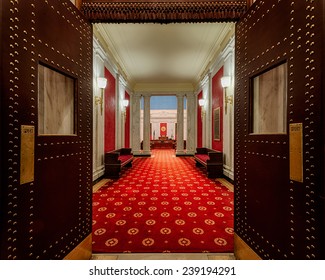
{"points": [[191, 117], [146, 126], [135, 130], [180, 125]]}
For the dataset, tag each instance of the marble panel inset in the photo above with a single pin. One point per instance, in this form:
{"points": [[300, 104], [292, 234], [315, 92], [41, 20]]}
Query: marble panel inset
{"points": [[55, 103], [269, 100]]}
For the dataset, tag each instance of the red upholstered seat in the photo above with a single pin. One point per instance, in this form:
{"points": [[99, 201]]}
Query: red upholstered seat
{"points": [[124, 158], [202, 157]]}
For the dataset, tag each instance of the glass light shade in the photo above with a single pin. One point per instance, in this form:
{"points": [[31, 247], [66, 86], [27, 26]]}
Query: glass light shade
{"points": [[101, 82], [125, 103], [201, 102], [225, 81]]}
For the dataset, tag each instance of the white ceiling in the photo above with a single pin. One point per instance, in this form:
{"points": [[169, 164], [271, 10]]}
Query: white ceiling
{"points": [[149, 55]]}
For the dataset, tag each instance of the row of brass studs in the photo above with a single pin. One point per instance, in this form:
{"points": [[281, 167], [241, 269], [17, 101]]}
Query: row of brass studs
{"points": [[13, 135], [310, 132], [33, 113], [266, 155]]}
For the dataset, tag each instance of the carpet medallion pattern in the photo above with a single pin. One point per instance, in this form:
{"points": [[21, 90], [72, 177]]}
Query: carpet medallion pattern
{"points": [[163, 204]]}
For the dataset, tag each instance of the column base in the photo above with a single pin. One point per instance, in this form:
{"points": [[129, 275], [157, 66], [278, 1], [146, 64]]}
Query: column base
{"points": [[190, 152], [146, 152], [135, 153], [142, 153], [180, 153]]}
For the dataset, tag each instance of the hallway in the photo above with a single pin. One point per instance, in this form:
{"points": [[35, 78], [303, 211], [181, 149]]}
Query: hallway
{"points": [[257, 97], [163, 204]]}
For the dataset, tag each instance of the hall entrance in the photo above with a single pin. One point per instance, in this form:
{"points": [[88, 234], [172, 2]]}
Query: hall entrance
{"points": [[279, 182]]}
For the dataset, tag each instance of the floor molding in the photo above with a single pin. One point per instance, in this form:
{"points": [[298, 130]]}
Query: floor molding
{"points": [[82, 252], [243, 251], [101, 183], [226, 183]]}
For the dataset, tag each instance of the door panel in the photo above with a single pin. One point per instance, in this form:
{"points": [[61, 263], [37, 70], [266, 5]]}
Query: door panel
{"points": [[277, 217], [49, 216]]}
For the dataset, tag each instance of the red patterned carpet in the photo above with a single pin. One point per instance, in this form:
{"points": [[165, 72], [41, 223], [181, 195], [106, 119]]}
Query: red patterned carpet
{"points": [[163, 204]]}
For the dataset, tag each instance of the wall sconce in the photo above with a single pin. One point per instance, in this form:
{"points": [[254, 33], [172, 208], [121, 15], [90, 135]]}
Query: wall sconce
{"points": [[101, 83], [202, 103], [125, 104], [225, 83]]}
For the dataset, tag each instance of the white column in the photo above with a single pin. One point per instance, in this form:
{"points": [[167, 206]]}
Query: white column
{"points": [[135, 121], [146, 125], [191, 117], [180, 125], [228, 117], [98, 117], [118, 126], [204, 109], [208, 116]]}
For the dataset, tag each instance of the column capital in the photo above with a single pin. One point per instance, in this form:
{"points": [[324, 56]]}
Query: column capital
{"points": [[191, 96], [144, 94], [180, 94], [136, 95]]}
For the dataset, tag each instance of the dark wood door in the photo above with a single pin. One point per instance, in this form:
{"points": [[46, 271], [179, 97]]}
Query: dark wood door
{"points": [[46, 128], [278, 139]]}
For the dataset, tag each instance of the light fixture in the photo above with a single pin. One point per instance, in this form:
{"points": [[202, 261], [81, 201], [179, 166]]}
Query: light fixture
{"points": [[101, 84], [225, 83], [125, 104], [202, 103]]}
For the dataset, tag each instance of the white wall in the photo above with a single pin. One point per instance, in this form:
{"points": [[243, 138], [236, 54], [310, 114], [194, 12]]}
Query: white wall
{"points": [[98, 118], [100, 62], [227, 60]]}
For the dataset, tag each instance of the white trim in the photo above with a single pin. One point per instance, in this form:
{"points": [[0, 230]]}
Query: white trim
{"points": [[99, 172], [228, 172]]}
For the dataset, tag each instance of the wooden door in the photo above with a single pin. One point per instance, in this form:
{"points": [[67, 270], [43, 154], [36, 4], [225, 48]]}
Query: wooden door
{"points": [[46, 128], [278, 131]]}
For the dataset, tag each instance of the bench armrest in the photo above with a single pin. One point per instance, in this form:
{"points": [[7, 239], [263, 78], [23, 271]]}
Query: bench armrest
{"points": [[201, 151], [112, 158], [215, 157], [125, 151]]}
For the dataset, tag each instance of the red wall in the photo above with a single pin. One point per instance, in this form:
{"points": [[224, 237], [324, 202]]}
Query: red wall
{"points": [[127, 123], [110, 107], [217, 101], [199, 121]]}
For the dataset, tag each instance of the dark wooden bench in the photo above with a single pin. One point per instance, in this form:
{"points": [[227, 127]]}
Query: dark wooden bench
{"points": [[212, 161], [115, 160]]}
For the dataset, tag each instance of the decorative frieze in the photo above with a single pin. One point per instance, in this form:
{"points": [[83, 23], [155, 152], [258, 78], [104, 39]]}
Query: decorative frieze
{"points": [[164, 11]]}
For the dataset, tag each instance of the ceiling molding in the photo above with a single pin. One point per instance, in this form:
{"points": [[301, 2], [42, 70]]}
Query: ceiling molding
{"points": [[105, 41], [221, 41]]}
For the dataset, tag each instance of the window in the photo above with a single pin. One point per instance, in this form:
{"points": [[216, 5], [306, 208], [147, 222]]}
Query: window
{"points": [[56, 111], [269, 101]]}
